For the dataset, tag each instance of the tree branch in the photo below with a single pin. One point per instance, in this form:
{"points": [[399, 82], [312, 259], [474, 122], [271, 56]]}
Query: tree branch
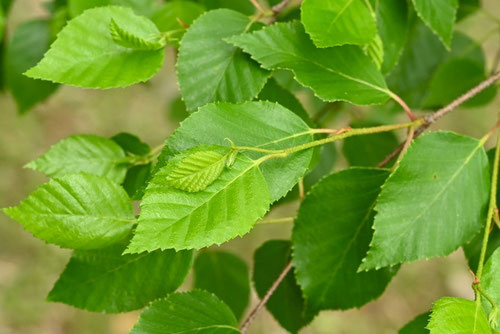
{"points": [[432, 118], [264, 300]]}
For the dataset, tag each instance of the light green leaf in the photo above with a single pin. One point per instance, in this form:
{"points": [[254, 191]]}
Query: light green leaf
{"points": [[266, 125], [79, 211], [490, 282], [83, 153], [166, 18], [85, 54], [286, 303], [140, 7], [439, 15], [172, 218], [457, 315], [198, 169], [417, 325], [341, 73], [210, 69], [195, 311], [334, 224], [393, 24], [130, 40], [106, 281], [433, 203], [225, 275], [26, 48], [338, 22]]}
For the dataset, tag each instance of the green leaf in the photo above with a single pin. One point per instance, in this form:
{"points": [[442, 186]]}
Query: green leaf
{"points": [[85, 54], [131, 143], [266, 125], [79, 211], [198, 169], [106, 281], [136, 180], [83, 153], [338, 22], [225, 275], [421, 211], [166, 18], [417, 325], [392, 24], [77, 7], [341, 73], [172, 218], [140, 7], [466, 8], [130, 40], [455, 78], [195, 311], [334, 224], [472, 250], [439, 15], [26, 47], [457, 315], [327, 159], [369, 150], [242, 6], [210, 69], [286, 304], [490, 282]]}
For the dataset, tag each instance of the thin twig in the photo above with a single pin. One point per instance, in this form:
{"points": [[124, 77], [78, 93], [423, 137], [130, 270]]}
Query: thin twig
{"points": [[302, 192], [432, 118], [277, 9], [277, 220], [264, 300], [257, 5], [403, 104]]}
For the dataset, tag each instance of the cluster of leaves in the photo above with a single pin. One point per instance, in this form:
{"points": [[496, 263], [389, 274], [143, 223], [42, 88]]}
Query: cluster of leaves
{"points": [[246, 144]]}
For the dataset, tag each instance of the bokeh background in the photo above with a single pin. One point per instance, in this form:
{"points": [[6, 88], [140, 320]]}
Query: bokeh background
{"points": [[29, 267]]}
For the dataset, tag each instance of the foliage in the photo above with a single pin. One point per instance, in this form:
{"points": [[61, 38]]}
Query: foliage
{"points": [[247, 143]]}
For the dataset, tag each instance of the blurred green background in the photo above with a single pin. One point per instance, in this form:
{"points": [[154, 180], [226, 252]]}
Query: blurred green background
{"points": [[29, 267]]}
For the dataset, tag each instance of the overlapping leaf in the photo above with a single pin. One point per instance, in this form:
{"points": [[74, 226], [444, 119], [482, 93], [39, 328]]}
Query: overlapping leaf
{"points": [[334, 225], [106, 281], [341, 73], [338, 22], [79, 211], [210, 69], [85, 54], [83, 153], [439, 15], [457, 315], [195, 311], [140, 7], [417, 325], [242, 6], [225, 275], [490, 282], [421, 211]]}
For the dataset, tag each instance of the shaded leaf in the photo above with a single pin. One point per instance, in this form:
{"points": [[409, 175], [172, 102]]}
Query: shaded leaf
{"points": [[136, 180], [334, 224], [225, 275], [417, 325], [242, 6], [83, 153], [195, 311], [341, 73], [131, 143], [338, 22], [85, 54], [106, 281], [286, 304], [457, 315], [209, 69], [490, 282], [418, 214], [79, 211], [466, 8], [439, 15]]}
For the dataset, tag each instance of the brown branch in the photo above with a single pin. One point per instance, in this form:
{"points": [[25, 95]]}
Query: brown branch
{"points": [[277, 9], [432, 118], [257, 5], [264, 300]]}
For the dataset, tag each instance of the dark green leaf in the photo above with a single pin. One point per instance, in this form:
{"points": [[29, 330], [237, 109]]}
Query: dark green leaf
{"points": [[225, 275], [417, 325], [466, 8], [136, 180], [490, 282], [131, 143], [243, 6]]}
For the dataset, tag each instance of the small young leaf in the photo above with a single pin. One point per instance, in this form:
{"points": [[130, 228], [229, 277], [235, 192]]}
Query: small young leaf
{"points": [[172, 218], [225, 275], [83, 153], [338, 22], [130, 40], [210, 69], [334, 224], [79, 211], [195, 311], [25, 49], [457, 315], [85, 54], [439, 15], [417, 325], [418, 215], [198, 169], [106, 281], [286, 304], [341, 73]]}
